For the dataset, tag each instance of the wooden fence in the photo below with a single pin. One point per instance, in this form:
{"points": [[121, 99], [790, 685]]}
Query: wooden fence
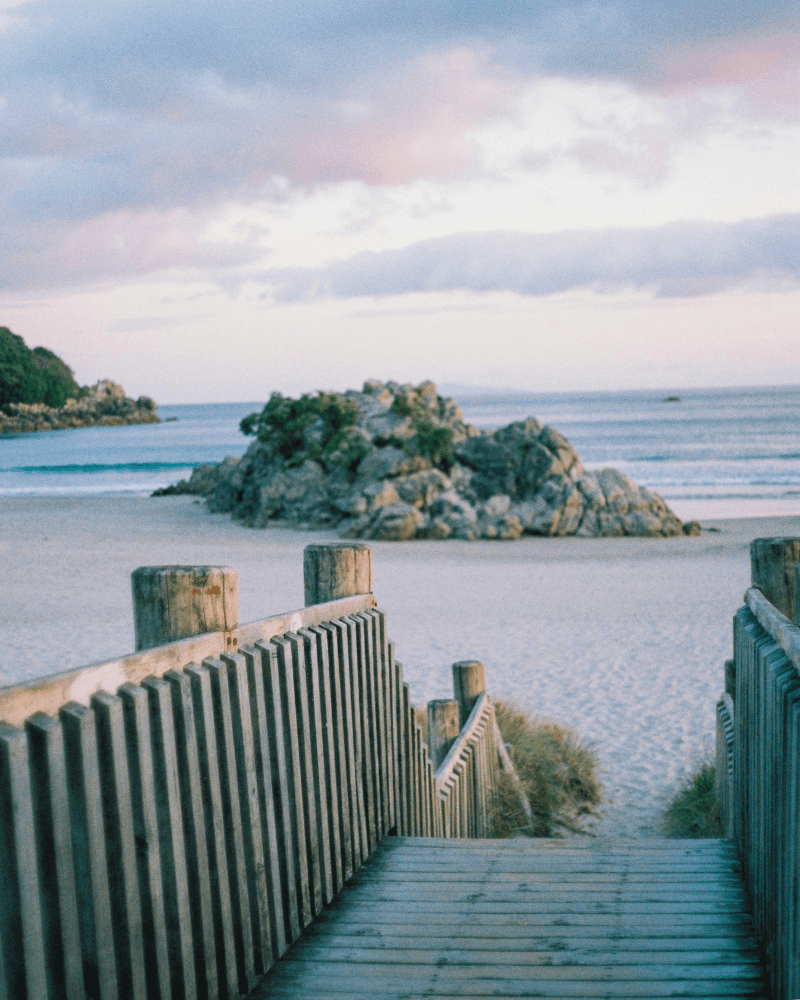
{"points": [[758, 773], [170, 830]]}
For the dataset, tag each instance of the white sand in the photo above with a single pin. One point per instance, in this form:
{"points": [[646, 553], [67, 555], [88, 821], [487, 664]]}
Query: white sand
{"points": [[621, 639]]}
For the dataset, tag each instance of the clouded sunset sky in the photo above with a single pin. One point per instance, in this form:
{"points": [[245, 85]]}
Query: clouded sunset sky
{"points": [[208, 201]]}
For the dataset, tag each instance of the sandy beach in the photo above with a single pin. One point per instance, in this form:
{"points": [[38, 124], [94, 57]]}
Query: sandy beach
{"points": [[622, 640]]}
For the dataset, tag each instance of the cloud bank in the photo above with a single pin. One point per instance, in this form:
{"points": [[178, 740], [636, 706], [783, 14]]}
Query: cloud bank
{"points": [[111, 109], [680, 259]]}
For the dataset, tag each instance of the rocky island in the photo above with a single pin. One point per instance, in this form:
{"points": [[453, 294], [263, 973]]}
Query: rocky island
{"points": [[396, 462], [38, 392]]}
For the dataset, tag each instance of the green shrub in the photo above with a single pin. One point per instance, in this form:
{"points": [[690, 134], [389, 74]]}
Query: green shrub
{"points": [[432, 440], [693, 812], [286, 425], [59, 382], [558, 774], [33, 376]]}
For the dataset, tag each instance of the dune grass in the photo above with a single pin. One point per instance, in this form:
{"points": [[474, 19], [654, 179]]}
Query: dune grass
{"points": [[693, 812], [558, 771]]}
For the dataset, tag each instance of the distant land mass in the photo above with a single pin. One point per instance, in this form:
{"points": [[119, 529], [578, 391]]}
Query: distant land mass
{"points": [[38, 392]]}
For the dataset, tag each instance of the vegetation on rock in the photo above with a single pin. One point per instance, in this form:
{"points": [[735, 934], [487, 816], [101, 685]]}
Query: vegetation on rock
{"points": [[558, 772], [33, 376], [311, 427]]}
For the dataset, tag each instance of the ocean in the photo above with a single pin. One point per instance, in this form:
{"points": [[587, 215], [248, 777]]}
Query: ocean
{"points": [[711, 453]]}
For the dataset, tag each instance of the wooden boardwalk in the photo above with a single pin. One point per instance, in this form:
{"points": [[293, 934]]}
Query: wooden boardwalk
{"points": [[531, 918]]}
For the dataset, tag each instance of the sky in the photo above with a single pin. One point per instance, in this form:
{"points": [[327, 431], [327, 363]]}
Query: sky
{"points": [[212, 201]]}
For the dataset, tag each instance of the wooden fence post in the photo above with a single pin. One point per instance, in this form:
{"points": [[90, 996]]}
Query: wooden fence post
{"points": [[176, 602], [773, 563], [336, 569], [443, 728], [469, 683]]}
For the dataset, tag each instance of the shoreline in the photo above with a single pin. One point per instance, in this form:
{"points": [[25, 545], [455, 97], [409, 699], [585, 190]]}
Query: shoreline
{"points": [[621, 639]]}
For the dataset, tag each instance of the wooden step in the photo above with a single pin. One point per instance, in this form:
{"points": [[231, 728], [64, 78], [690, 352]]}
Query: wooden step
{"points": [[531, 918]]}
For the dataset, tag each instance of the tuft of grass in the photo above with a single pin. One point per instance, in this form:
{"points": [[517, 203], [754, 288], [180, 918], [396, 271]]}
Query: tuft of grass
{"points": [[694, 812], [558, 771]]}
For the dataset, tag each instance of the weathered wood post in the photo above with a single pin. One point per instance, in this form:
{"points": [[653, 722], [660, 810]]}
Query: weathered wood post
{"points": [[176, 602], [469, 683], [336, 569], [443, 728], [773, 563], [730, 678]]}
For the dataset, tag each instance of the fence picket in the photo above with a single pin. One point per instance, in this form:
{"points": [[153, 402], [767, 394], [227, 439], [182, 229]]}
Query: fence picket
{"points": [[265, 782], [345, 768], [231, 977], [21, 932], [126, 908], [177, 907], [59, 902], [290, 860], [86, 816], [194, 832]]}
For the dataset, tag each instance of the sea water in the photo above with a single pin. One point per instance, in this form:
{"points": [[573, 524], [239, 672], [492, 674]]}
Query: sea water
{"points": [[708, 452]]}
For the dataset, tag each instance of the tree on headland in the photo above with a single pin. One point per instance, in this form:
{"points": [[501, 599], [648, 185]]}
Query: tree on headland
{"points": [[33, 376]]}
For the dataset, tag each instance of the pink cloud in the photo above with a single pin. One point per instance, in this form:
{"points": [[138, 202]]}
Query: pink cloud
{"points": [[765, 67], [409, 124], [115, 245]]}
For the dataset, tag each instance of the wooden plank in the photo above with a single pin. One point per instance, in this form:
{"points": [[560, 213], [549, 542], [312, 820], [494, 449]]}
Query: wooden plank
{"points": [[457, 936], [265, 780], [466, 874], [296, 708], [364, 712], [141, 775], [305, 655], [403, 757], [169, 823], [230, 977], [394, 682], [325, 753], [115, 787], [352, 721], [48, 694], [386, 674], [377, 669], [291, 846], [345, 767], [514, 979], [545, 895], [86, 817], [59, 904], [680, 922], [299, 822], [606, 956], [21, 932], [566, 908], [718, 990], [247, 777], [241, 892], [194, 831]]}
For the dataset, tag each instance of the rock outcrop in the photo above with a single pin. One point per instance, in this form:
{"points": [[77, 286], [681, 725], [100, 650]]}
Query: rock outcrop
{"points": [[104, 405], [398, 462]]}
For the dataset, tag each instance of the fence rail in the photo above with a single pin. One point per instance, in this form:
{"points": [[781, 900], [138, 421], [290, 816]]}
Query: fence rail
{"points": [[169, 837], [758, 779]]}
